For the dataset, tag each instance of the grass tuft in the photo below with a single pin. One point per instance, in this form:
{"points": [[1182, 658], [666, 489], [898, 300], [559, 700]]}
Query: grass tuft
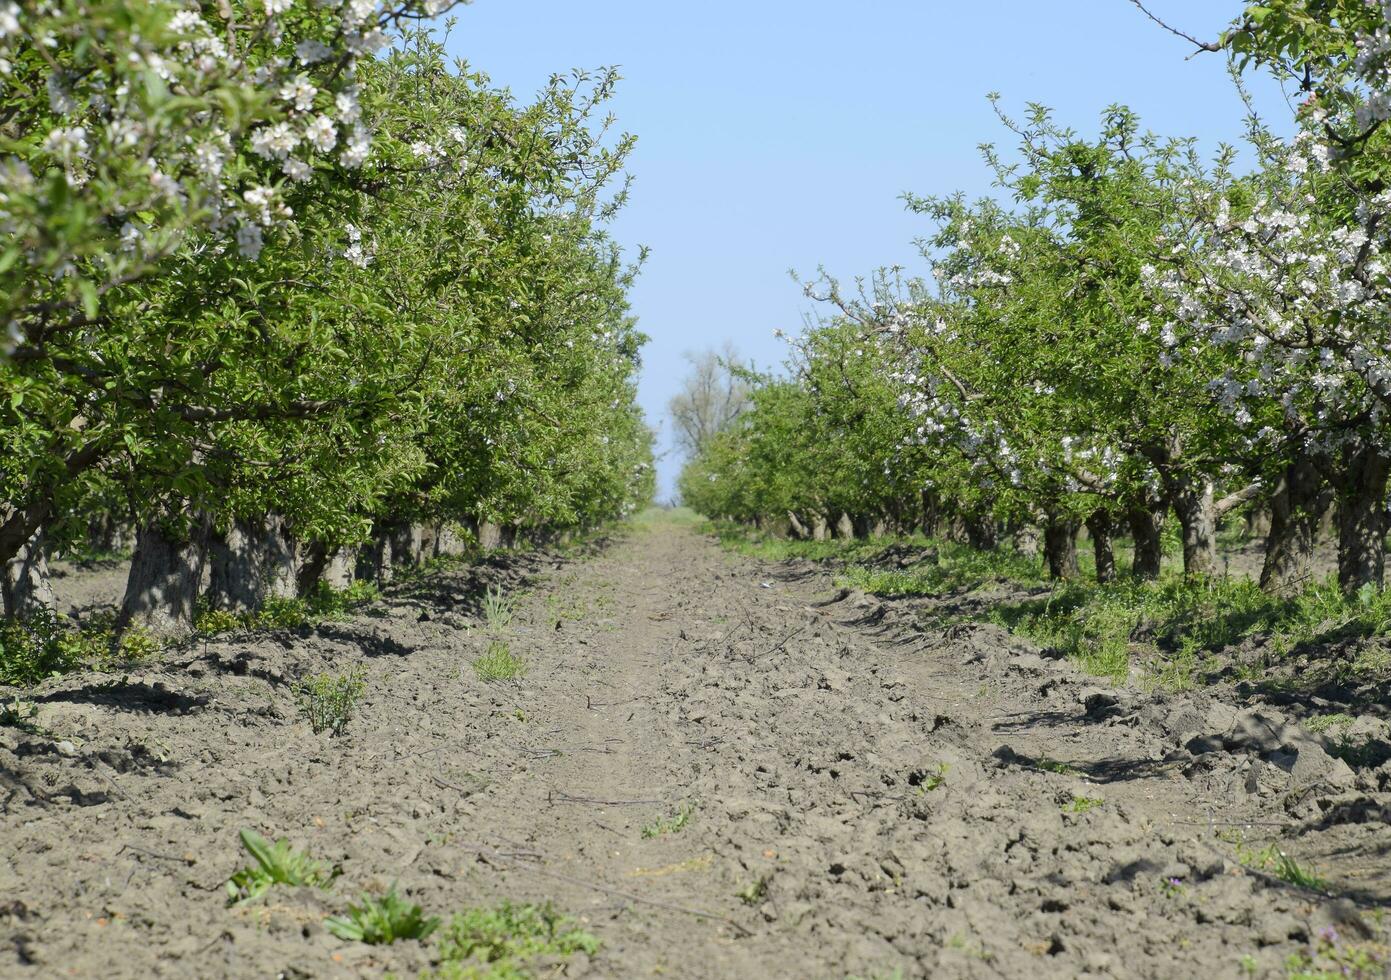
{"points": [[499, 663]]}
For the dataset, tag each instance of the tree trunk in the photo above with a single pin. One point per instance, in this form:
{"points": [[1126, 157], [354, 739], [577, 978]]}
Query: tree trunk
{"points": [[845, 528], [820, 529], [930, 514], [26, 588], [981, 532], [1193, 502], [1296, 509], [1362, 518], [1147, 530], [314, 557], [254, 560], [1060, 547], [162, 588], [1099, 526], [449, 543], [799, 530], [489, 536]]}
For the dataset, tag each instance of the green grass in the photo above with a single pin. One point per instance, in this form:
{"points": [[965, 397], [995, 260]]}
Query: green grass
{"points": [[1181, 622], [1175, 625], [499, 663], [1273, 860], [497, 609], [501, 942], [671, 825], [1082, 804]]}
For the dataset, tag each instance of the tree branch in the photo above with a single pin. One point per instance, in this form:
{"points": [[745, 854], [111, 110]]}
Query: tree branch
{"points": [[1209, 46]]}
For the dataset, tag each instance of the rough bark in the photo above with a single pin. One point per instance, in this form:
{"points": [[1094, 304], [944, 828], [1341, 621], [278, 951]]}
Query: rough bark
{"points": [[449, 543], [162, 587], [489, 536], [845, 527], [799, 530], [1147, 530], [1196, 507], [981, 532], [931, 514], [254, 560], [1297, 505], [340, 571], [1060, 547], [1100, 526], [1362, 518], [820, 528], [314, 557], [26, 588]]}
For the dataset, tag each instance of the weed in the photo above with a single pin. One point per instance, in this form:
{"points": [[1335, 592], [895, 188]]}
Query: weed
{"points": [[281, 612], [327, 700], [499, 663], [497, 609], [498, 942], [1082, 804], [19, 714], [1323, 723], [46, 644], [1332, 958], [928, 780], [1275, 861], [671, 825], [755, 891], [381, 921], [276, 864]]}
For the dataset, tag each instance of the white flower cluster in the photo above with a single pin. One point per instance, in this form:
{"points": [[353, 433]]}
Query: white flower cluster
{"points": [[127, 151], [1301, 297]]}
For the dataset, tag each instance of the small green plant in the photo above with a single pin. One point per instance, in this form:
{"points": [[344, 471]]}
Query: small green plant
{"points": [[928, 780], [1082, 804], [47, 644], [276, 864], [671, 825], [497, 609], [381, 921], [755, 891], [1275, 861], [19, 714], [499, 663], [498, 943], [327, 700], [1325, 723], [1331, 957]]}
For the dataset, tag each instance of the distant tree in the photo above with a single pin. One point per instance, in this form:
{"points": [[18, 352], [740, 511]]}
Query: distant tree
{"points": [[713, 395]]}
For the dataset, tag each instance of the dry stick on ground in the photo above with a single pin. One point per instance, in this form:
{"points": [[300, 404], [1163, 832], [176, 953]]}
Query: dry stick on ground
{"points": [[495, 857]]}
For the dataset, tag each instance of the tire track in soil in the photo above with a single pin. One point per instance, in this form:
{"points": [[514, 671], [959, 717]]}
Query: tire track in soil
{"points": [[884, 800]]}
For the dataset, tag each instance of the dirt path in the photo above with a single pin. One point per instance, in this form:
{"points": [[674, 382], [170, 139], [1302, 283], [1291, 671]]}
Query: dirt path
{"points": [[864, 799]]}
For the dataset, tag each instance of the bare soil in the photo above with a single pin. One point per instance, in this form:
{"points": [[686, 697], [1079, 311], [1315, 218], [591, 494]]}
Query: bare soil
{"points": [[870, 797]]}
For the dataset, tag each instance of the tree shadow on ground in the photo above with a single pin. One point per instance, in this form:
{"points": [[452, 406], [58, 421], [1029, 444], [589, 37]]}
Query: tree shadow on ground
{"points": [[133, 696]]}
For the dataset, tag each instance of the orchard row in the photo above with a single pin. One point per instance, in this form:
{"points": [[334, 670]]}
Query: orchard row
{"points": [[280, 281], [1131, 333]]}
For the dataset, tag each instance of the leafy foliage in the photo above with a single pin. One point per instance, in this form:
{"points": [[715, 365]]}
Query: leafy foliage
{"points": [[498, 943], [276, 864], [381, 921], [327, 700]]}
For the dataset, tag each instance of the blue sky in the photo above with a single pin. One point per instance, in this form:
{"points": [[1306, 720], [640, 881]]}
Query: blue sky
{"points": [[777, 135]]}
